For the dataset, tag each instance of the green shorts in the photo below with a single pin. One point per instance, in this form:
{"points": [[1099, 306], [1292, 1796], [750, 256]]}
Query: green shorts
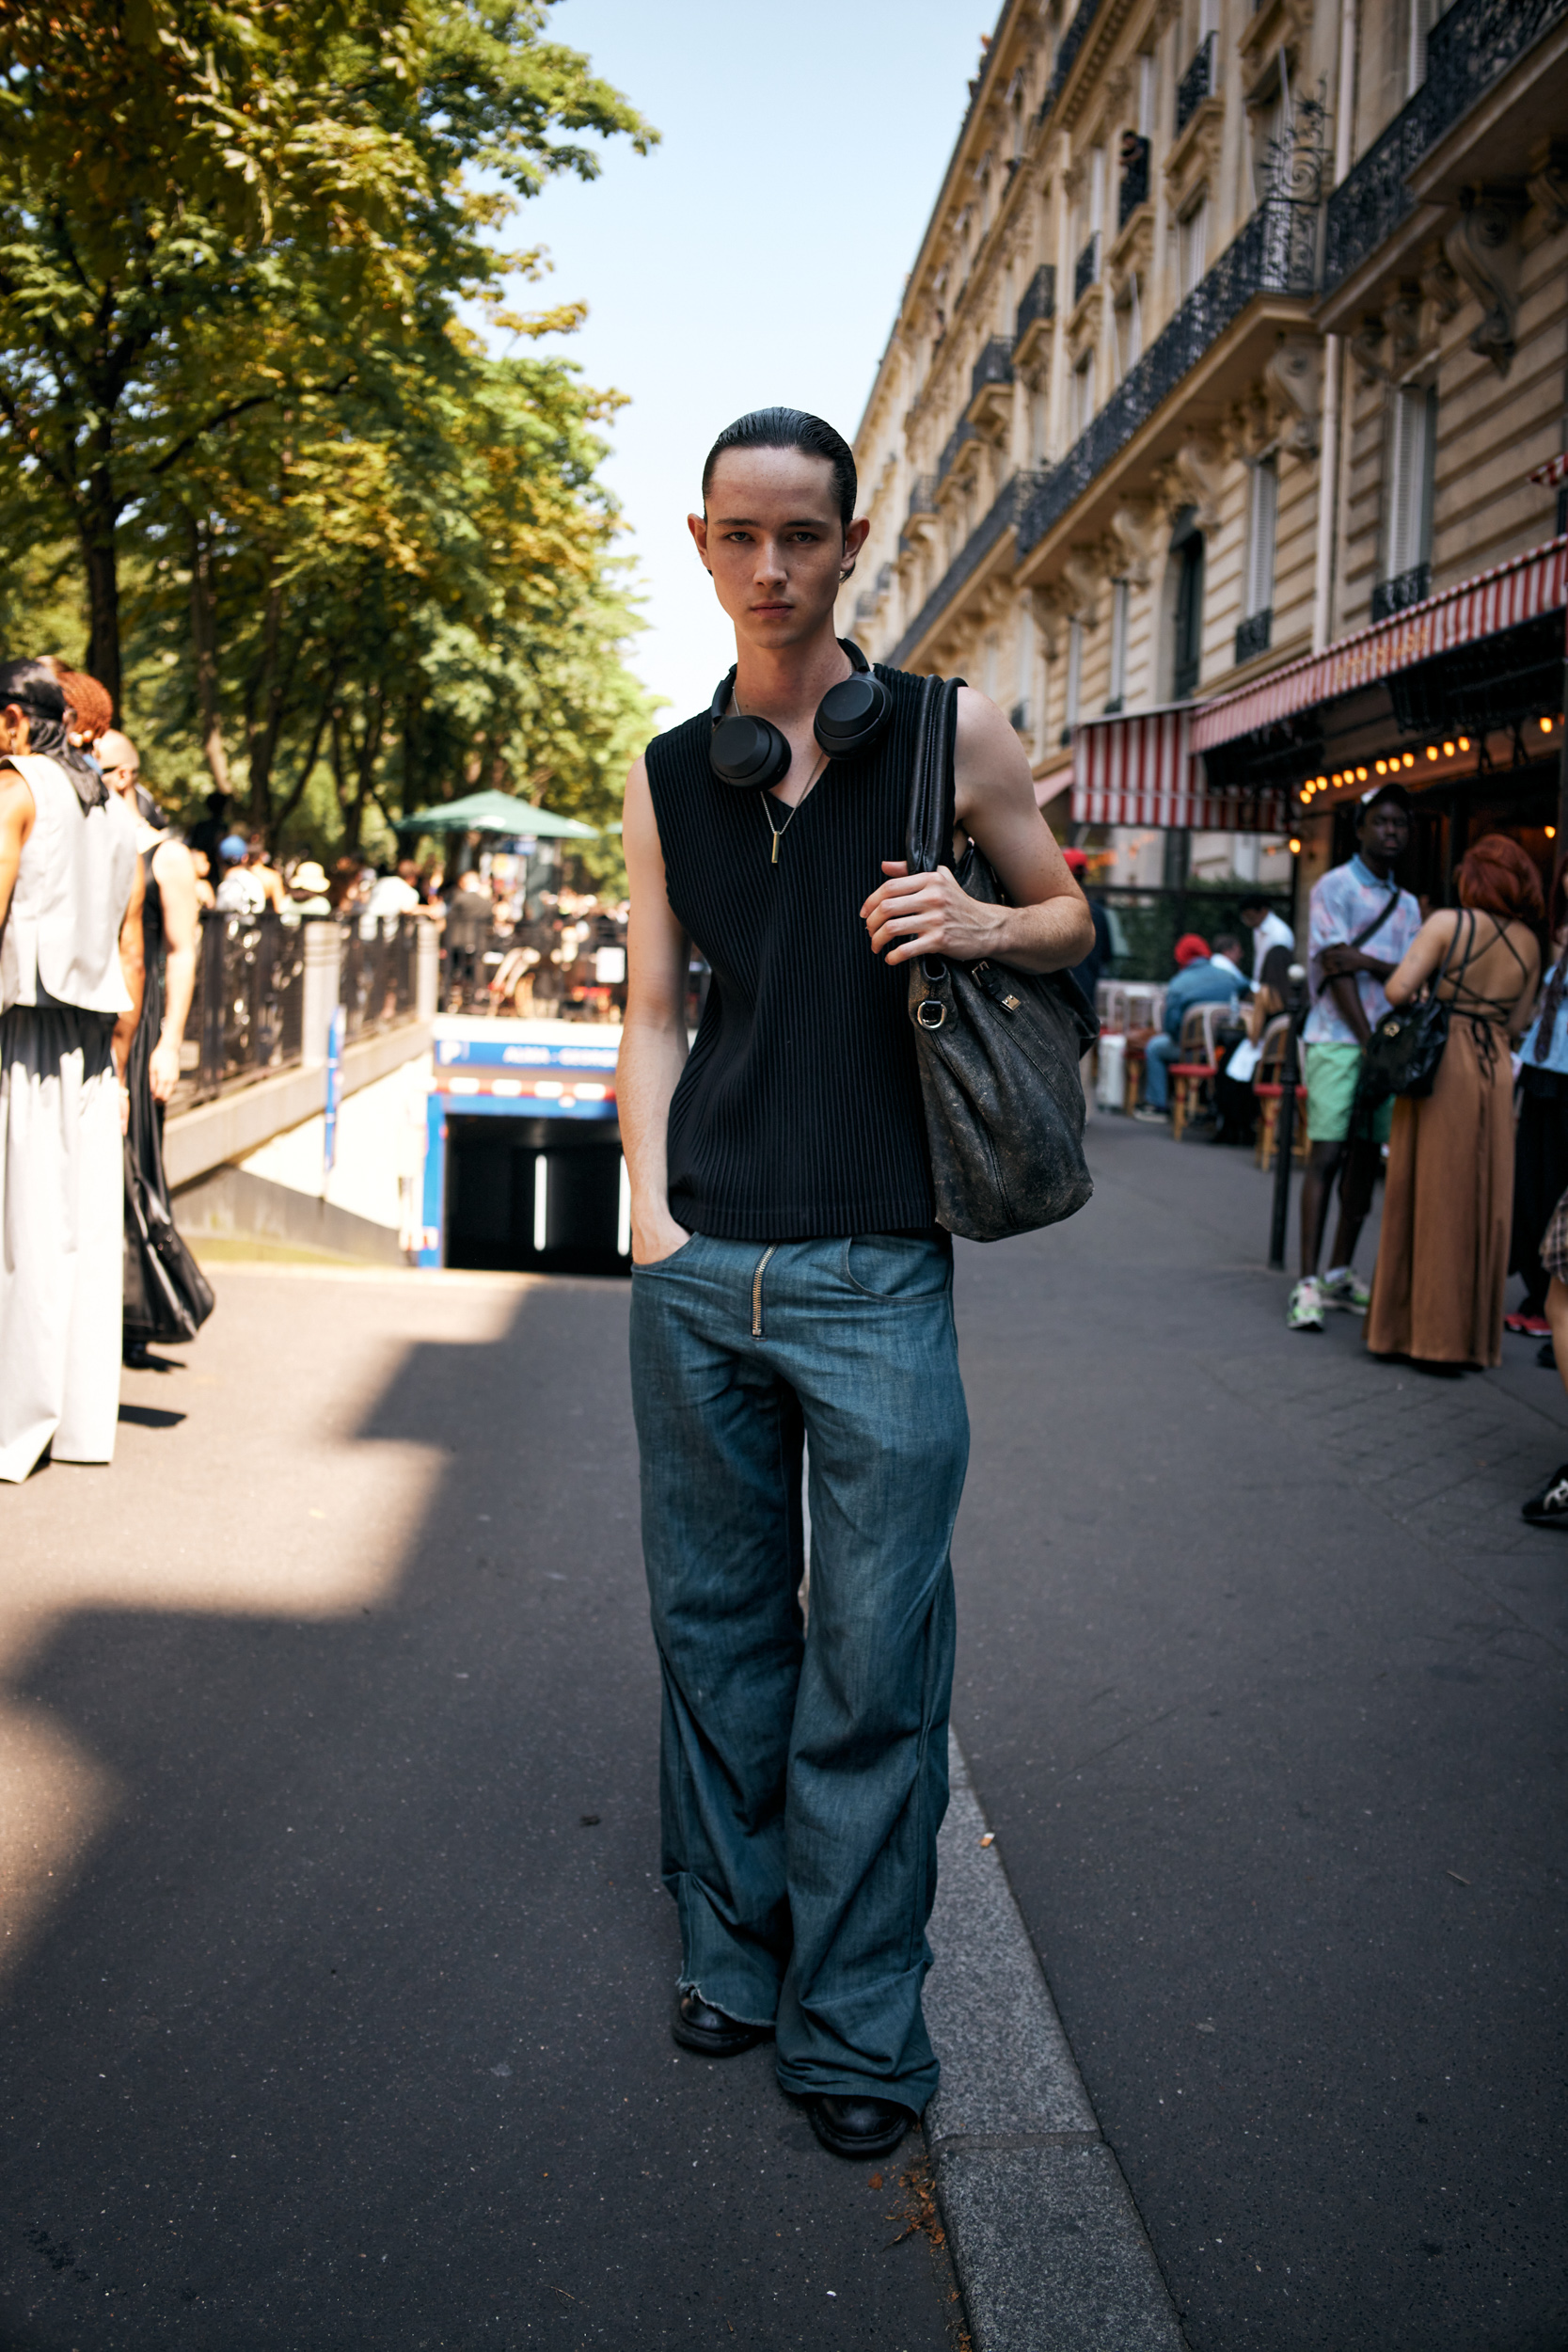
{"points": [[1332, 1072]]}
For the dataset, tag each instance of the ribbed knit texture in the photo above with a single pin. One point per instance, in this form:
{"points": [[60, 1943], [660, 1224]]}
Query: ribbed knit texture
{"points": [[799, 1113]]}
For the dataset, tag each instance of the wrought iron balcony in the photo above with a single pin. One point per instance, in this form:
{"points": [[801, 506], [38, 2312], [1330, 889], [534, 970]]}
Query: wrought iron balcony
{"points": [[1066, 54], [994, 366], [1255, 634], [922, 496], [1087, 271], [1196, 83], [865, 607], [885, 579], [1276, 253], [1467, 50], [1012, 501], [1406, 589], [1039, 301], [963, 431], [1134, 189]]}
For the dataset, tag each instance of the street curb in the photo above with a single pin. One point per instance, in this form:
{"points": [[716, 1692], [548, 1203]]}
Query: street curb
{"points": [[1050, 2254]]}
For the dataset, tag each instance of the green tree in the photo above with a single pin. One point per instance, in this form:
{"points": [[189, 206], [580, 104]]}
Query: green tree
{"points": [[208, 214]]}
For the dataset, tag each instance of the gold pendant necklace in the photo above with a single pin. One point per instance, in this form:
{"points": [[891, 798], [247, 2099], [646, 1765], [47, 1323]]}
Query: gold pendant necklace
{"points": [[779, 832]]}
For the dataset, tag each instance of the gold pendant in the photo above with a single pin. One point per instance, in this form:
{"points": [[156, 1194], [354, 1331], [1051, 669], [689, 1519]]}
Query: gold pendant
{"points": [[775, 856]]}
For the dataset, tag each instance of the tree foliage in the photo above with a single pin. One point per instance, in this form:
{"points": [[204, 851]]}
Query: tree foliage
{"points": [[233, 246]]}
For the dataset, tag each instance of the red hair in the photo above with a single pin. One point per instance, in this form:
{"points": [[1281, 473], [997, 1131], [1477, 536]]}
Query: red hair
{"points": [[1498, 878], [89, 710]]}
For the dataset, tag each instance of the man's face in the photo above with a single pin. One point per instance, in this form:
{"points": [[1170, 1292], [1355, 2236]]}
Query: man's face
{"points": [[1384, 832], [774, 544], [121, 763], [1252, 917]]}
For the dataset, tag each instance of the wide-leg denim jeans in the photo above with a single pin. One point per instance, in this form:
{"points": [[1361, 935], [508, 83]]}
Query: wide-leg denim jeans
{"points": [[804, 1773]]}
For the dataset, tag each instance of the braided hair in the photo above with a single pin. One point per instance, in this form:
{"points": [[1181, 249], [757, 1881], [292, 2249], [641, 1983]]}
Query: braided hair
{"points": [[33, 687]]}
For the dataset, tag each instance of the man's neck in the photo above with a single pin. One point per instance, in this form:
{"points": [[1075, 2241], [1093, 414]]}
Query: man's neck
{"points": [[786, 682], [1380, 868]]}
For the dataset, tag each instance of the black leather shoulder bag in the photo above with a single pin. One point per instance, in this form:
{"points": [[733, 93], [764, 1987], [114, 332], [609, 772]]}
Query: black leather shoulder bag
{"points": [[1403, 1051], [999, 1049]]}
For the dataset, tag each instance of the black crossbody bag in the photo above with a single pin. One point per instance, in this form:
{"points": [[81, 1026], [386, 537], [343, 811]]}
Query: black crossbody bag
{"points": [[1402, 1054], [999, 1049]]}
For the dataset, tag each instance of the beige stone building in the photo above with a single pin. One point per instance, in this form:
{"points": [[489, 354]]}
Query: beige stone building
{"points": [[1234, 353]]}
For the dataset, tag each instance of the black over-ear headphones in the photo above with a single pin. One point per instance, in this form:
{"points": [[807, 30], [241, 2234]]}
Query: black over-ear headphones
{"points": [[754, 754]]}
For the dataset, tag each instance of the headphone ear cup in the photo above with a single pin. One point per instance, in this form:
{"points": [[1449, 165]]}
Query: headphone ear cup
{"points": [[853, 714], [751, 754]]}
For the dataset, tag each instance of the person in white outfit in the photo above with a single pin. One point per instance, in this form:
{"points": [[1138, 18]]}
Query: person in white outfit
{"points": [[71, 980]]}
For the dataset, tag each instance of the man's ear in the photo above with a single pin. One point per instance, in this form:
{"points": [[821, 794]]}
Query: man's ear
{"points": [[697, 525], [856, 536]]}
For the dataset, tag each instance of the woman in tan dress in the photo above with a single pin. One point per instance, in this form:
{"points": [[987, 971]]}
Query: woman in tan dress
{"points": [[1442, 1261]]}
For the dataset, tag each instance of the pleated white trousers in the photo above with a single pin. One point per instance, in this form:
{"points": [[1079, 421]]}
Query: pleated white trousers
{"points": [[62, 1249]]}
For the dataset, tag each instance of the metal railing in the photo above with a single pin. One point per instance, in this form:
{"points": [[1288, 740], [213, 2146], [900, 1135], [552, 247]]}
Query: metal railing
{"points": [[1406, 589], [1066, 56], [1196, 83], [1001, 516], [962, 432], [1276, 253], [377, 975], [994, 366], [1254, 634], [1467, 50], [1087, 271], [247, 1010], [923, 497], [1039, 300]]}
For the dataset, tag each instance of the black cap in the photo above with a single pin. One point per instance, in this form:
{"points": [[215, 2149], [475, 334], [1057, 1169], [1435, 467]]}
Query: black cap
{"points": [[1395, 792]]}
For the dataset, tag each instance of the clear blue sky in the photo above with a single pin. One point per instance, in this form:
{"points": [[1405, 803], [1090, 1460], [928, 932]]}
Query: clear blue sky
{"points": [[758, 255]]}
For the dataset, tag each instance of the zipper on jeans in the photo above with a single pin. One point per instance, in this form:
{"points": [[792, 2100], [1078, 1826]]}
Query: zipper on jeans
{"points": [[756, 1290]]}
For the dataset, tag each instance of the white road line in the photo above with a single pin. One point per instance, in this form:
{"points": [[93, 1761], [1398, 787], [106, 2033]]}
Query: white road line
{"points": [[1047, 2243]]}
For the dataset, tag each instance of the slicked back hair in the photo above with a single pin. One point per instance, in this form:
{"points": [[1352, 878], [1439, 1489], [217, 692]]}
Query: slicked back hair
{"points": [[790, 428]]}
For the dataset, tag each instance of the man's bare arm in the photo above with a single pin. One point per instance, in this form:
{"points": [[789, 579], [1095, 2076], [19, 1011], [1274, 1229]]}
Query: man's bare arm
{"points": [[1048, 927], [653, 1041], [133, 970], [174, 871], [16, 823]]}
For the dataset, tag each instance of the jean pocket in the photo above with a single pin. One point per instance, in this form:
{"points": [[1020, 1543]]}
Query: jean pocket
{"points": [[656, 1266], [896, 1265]]}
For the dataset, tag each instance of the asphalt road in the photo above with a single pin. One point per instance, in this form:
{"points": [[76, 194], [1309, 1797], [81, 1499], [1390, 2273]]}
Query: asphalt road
{"points": [[328, 2017], [1262, 1684], [337, 1985]]}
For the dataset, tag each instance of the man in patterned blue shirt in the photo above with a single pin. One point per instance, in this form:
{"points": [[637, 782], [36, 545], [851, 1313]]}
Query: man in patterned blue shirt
{"points": [[1361, 924]]}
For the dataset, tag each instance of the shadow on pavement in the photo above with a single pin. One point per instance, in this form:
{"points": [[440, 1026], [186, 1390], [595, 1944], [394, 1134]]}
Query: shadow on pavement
{"points": [[352, 2026]]}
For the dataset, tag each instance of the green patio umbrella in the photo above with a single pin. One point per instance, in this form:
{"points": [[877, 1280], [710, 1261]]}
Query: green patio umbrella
{"points": [[496, 812]]}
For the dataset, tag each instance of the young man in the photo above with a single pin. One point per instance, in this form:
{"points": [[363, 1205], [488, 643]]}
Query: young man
{"points": [[71, 984], [1268, 930], [1361, 924], [788, 1284]]}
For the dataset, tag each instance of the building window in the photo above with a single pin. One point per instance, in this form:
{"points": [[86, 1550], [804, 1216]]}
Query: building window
{"points": [[1187, 611], [1040, 426], [1193, 233], [1074, 676], [1412, 451], [1083, 395], [1120, 597], [1128, 327], [1262, 512]]}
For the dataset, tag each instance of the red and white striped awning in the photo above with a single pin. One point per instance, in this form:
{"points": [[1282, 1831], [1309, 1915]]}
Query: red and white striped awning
{"points": [[1519, 590], [1140, 771], [1554, 473]]}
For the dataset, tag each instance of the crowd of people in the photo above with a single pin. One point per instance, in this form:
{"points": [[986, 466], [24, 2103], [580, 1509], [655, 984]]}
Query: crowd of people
{"points": [[1474, 1155]]}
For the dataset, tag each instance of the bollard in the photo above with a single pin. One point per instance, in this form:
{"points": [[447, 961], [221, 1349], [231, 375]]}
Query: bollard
{"points": [[322, 950]]}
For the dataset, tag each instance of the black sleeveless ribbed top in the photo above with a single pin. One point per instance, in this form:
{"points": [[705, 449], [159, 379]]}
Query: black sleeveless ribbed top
{"points": [[798, 1114]]}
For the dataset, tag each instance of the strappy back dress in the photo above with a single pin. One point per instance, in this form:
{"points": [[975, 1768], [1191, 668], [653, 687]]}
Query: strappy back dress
{"points": [[1442, 1259]]}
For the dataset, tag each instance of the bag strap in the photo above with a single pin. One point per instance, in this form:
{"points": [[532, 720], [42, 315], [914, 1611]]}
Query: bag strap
{"points": [[928, 831], [1384, 910]]}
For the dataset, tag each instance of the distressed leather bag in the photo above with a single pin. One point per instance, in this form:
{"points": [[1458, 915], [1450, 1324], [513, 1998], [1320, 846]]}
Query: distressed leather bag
{"points": [[999, 1049], [1402, 1054]]}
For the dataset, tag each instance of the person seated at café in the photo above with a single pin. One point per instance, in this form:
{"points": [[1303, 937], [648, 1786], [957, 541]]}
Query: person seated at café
{"points": [[1269, 931], [1204, 976]]}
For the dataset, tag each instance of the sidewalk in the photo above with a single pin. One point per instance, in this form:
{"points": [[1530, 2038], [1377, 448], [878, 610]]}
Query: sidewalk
{"points": [[337, 1973], [1261, 1681], [343, 2018]]}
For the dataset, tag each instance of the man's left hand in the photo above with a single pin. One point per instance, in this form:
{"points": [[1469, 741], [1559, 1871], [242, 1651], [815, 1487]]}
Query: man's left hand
{"points": [[162, 1070], [930, 914]]}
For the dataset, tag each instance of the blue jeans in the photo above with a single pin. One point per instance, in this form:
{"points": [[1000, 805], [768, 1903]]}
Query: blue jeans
{"points": [[803, 1769], [1157, 1053]]}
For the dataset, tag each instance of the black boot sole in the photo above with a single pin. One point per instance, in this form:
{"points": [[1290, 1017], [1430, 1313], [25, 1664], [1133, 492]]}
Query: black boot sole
{"points": [[859, 2144]]}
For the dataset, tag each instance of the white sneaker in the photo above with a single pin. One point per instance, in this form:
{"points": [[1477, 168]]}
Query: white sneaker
{"points": [[1305, 1309], [1345, 1290]]}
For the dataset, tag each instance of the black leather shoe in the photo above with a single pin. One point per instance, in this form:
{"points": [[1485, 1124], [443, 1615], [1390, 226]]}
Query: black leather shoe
{"points": [[1548, 1506], [859, 2127], [698, 2027]]}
